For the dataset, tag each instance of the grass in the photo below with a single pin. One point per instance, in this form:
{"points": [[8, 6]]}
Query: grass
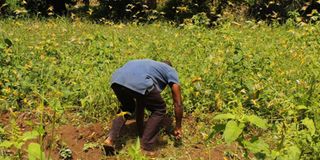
{"points": [[269, 71]]}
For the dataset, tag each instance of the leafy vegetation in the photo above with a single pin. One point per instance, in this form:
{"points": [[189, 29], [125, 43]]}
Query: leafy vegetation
{"points": [[200, 12], [261, 83]]}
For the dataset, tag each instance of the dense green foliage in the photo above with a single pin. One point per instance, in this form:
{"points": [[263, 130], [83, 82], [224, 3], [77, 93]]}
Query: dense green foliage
{"points": [[18, 8], [265, 78], [200, 12]]}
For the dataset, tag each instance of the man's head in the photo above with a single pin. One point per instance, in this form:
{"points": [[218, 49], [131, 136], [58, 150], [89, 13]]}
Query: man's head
{"points": [[167, 62]]}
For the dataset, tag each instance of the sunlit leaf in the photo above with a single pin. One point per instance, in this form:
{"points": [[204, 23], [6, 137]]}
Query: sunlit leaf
{"points": [[4, 158], [88, 146], [301, 107], [232, 131], [29, 135], [35, 152], [6, 144], [1, 130], [257, 146], [224, 116], [293, 153], [310, 125], [259, 122]]}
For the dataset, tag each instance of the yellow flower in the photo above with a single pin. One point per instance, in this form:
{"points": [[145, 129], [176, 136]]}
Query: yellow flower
{"points": [[7, 90]]}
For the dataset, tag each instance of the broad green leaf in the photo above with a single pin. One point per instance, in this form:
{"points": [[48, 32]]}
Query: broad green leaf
{"points": [[1, 130], [259, 122], [19, 145], [301, 107], [257, 146], [224, 116], [6, 144], [232, 131], [216, 129], [30, 135], [274, 154], [293, 153], [88, 146], [8, 42], [2, 46], [35, 152], [4, 158], [40, 130], [310, 125], [237, 58]]}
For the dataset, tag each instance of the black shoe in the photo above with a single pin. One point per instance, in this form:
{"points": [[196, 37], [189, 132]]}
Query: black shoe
{"points": [[109, 150]]}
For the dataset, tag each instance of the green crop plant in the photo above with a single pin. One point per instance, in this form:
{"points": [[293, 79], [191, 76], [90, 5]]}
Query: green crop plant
{"points": [[135, 152], [236, 127], [16, 139], [65, 153]]}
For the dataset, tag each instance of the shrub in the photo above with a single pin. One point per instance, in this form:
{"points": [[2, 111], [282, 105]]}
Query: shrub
{"points": [[126, 10], [281, 10], [37, 6], [34, 7], [310, 11], [122, 9], [182, 10], [2, 6], [11, 7]]}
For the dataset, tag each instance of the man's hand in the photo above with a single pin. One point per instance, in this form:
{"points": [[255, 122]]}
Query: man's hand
{"points": [[177, 133]]}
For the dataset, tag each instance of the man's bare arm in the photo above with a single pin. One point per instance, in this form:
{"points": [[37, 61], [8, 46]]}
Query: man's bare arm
{"points": [[178, 108]]}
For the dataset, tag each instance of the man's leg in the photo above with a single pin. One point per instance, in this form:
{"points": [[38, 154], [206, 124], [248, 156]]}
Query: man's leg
{"points": [[128, 105], [140, 117], [157, 106]]}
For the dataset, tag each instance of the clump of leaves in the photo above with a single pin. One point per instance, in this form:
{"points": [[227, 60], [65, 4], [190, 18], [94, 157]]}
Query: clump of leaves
{"points": [[65, 153], [233, 130], [135, 152], [88, 146], [16, 139]]}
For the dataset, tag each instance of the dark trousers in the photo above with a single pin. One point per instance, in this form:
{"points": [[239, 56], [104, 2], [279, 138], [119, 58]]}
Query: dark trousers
{"points": [[132, 101]]}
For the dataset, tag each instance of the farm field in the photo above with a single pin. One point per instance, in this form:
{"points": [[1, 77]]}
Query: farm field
{"points": [[250, 91]]}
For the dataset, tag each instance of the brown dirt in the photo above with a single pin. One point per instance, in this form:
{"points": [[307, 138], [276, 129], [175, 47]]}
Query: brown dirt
{"points": [[216, 153], [74, 137]]}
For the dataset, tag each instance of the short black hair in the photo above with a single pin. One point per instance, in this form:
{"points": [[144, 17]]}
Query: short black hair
{"points": [[167, 62]]}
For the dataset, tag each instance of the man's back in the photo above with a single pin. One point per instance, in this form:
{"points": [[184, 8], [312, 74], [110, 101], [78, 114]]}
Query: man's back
{"points": [[145, 74]]}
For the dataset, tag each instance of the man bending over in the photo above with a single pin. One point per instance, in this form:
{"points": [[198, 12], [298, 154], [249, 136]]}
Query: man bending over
{"points": [[138, 85]]}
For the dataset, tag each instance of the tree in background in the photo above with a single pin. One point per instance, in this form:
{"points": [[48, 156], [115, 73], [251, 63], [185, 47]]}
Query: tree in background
{"points": [[2, 6], [199, 12], [59, 6], [36, 7], [310, 11], [127, 10], [152, 4], [282, 10], [207, 11]]}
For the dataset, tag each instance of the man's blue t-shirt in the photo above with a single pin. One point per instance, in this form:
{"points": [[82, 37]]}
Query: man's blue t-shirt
{"points": [[145, 74]]}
